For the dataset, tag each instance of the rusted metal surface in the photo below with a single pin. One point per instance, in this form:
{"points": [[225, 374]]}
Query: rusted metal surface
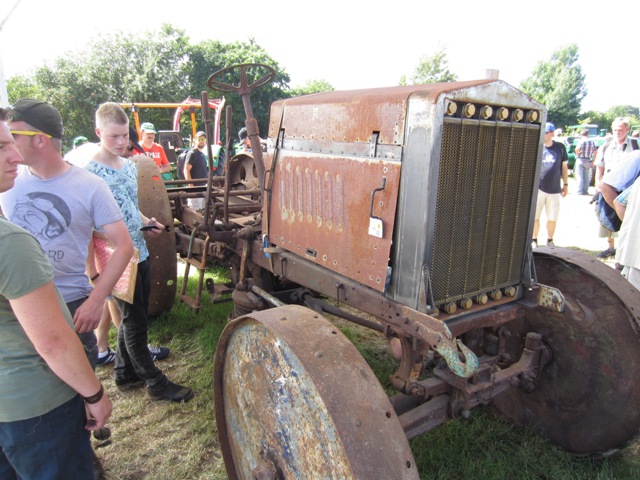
{"points": [[452, 352], [588, 395], [450, 396], [347, 116], [154, 202], [291, 267], [321, 210], [550, 298], [286, 400]]}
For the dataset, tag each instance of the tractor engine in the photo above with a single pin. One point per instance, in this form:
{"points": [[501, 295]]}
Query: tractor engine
{"points": [[424, 193]]}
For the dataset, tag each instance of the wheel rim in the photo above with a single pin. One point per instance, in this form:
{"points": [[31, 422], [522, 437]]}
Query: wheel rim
{"points": [[586, 401], [293, 396], [154, 202]]}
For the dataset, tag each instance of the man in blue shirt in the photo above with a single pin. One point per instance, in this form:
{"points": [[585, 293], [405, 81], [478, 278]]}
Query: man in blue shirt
{"points": [[553, 170]]}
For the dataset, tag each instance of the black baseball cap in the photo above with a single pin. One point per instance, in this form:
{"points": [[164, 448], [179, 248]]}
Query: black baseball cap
{"points": [[41, 115]]}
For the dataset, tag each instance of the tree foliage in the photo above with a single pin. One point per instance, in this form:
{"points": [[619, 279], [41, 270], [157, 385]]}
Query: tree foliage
{"points": [[431, 69], [151, 66], [164, 66], [605, 119], [312, 86], [559, 84], [208, 57]]}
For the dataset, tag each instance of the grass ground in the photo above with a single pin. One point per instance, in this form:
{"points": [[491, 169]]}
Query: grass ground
{"points": [[163, 441]]}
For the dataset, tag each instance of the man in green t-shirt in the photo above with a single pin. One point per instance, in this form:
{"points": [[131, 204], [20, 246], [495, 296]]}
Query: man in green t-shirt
{"points": [[48, 386]]}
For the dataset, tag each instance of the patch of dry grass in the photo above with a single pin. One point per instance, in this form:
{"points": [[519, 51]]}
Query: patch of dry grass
{"points": [[162, 440]]}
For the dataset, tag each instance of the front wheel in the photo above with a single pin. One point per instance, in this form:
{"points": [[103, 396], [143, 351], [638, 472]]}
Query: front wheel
{"points": [[588, 395], [295, 399]]}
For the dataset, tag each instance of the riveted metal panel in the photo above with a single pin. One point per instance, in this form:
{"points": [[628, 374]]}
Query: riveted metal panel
{"points": [[320, 209]]}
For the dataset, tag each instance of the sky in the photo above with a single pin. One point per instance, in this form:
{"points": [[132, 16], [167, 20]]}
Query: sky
{"points": [[353, 44]]}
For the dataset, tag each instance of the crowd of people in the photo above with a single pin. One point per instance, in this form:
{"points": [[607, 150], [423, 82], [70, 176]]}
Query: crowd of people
{"points": [[617, 168], [52, 213], [53, 210]]}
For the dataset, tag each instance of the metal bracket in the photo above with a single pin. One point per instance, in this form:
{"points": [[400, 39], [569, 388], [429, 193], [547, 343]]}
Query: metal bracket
{"points": [[550, 297], [373, 151], [426, 293]]}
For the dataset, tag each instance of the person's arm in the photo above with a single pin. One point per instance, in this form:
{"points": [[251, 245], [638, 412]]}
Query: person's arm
{"points": [[165, 166], [599, 175], [88, 315], [44, 323], [619, 208], [187, 170], [608, 192], [565, 179]]}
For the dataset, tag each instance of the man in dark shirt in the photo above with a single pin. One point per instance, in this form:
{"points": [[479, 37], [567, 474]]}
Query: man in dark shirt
{"points": [[553, 170], [194, 165]]}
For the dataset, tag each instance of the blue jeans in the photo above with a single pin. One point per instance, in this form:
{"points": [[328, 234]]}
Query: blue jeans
{"points": [[52, 446], [133, 359], [581, 170]]}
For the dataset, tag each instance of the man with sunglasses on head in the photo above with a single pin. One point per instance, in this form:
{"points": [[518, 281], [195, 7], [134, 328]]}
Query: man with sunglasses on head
{"points": [[51, 397], [61, 205]]}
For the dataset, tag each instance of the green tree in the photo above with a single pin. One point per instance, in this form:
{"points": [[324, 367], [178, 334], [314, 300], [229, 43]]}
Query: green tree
{"points": [[208, 57], [23, 86], [149, 66], [312, 86], [604, 120], [596, 118], [431, 69], [559, 84], [152, 66]]}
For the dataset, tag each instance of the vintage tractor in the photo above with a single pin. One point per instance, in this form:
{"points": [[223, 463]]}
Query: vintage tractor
{"points": [[413, 205]]}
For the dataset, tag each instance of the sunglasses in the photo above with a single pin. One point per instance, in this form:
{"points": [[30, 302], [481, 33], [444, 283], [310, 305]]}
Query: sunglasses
{"points": [[28, 133]]}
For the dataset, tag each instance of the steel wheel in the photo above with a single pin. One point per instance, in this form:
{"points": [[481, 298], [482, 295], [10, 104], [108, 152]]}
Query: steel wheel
{"points": [[587, 399], [294, 399], [154, 202]]}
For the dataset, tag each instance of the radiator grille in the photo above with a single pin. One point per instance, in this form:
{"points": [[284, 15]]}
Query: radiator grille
{"points": [[485, 190]]}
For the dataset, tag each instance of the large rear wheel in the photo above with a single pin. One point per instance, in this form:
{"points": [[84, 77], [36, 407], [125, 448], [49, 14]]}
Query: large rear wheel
{"points": [[295, 399], [588, 395], [154, 202]]}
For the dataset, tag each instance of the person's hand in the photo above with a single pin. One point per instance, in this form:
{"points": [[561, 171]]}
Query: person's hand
{"points": [[87, 316], [98, 413], [565, 190], [154, 232]]}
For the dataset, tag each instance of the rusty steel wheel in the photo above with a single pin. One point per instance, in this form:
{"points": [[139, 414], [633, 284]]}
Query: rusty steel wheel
{"points": [[588, 396], [154, 202], [295, 399]]}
